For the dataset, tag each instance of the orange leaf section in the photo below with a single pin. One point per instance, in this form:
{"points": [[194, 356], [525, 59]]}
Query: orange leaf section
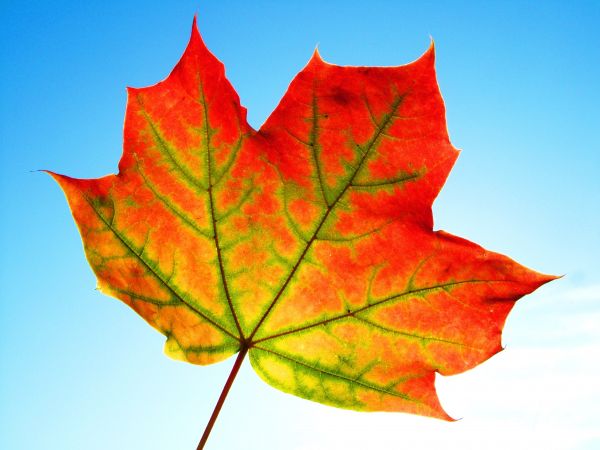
{"points": [[308, 242]]}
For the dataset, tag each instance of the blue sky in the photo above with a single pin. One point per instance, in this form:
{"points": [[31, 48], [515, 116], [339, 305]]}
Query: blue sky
{"points": [[520, 82]]}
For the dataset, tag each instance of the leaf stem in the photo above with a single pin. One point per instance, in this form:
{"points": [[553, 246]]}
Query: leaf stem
{"points": [[234, 371]]}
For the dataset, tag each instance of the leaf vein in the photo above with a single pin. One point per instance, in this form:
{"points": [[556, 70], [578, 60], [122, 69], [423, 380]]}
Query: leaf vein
{"points": [[374, 304], [385, 124], [154, 272], [340, 376], [207, 149]]}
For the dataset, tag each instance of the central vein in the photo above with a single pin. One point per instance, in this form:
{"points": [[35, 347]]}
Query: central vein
{"points": [[207, 148]]}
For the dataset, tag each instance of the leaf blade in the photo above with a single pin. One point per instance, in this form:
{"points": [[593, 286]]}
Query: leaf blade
{"points": [[308, 243]]}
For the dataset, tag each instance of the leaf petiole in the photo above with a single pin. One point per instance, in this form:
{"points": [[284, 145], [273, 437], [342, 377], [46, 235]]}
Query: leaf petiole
{"points": [[234, 371]]}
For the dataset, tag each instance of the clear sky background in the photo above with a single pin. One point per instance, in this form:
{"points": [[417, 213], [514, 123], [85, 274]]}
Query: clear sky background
{"points": [[79, 370]]}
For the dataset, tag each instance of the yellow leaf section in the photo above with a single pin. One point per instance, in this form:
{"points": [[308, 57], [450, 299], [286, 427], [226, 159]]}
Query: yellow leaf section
{"points": [[158, 266], [329, 372], [433, 304]]}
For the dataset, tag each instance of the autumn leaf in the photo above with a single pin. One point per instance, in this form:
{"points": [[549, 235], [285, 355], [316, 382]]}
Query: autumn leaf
{"points": [[307, 244]]}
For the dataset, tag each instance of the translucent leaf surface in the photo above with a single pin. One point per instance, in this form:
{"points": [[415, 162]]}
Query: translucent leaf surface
{"points": [[307, 243]]}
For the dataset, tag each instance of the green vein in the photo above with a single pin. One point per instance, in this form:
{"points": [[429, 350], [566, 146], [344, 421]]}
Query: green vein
{"points": [[207, 148], [230, 160], [165, 149], [351, 381], [386, 123], [412, 335], [144, 298], [373, 304], [172, 207], [210, 349], [370, 111], [356, 236], [295, 229], [243, 199], [152, 269], [386, 182], [314, 146]]}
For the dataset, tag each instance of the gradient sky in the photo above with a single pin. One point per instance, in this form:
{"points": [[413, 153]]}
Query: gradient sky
{"points": [[79, 370]]}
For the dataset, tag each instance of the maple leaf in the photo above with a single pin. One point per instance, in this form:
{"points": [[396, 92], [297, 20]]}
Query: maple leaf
{"points": [[308, 244]]}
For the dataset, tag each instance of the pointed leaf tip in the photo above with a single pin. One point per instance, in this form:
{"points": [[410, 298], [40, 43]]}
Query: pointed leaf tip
{"points": [[195, 32], [316, 58], [316, 55], [431, 44], [195, 36], [429, 54]]}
